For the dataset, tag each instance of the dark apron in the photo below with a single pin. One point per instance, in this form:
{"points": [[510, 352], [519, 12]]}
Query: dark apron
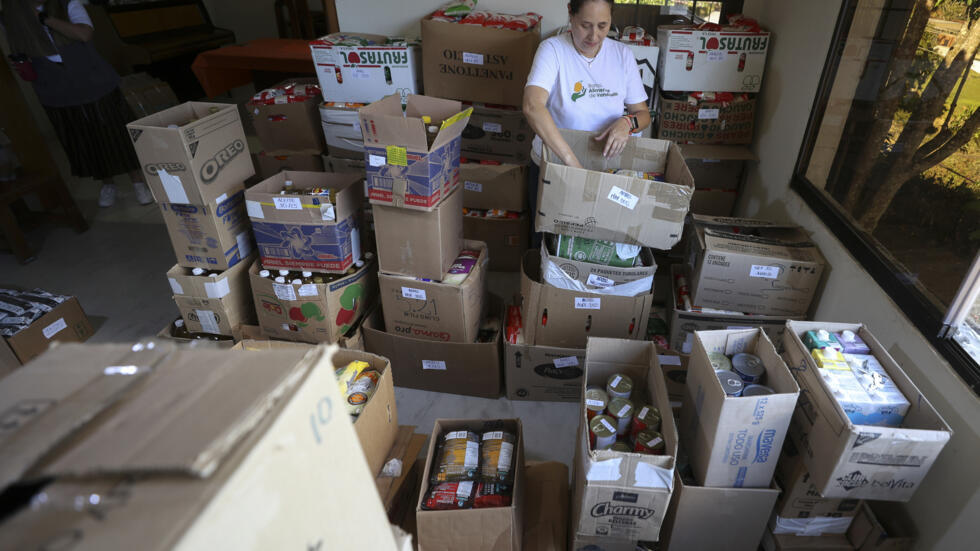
{"points": [[82, 77]]}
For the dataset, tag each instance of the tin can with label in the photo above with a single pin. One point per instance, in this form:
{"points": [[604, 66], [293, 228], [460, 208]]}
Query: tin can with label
{"points": [[619, 386], [621, 410], [596, 400], [719, 361], [757, 390], [602, 432], [749, 367], [648, 417], [731, 383], [621, 447], [650, 442]]}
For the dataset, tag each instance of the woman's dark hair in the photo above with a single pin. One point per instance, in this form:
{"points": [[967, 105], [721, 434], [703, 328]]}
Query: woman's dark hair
{"points": [[575, 5]]}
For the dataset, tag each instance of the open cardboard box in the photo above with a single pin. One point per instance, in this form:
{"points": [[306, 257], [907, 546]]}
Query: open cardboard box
{"points": [[801, 510], [579, 275], [65, 322], [543, 373], [292, 126], [216, 305]]}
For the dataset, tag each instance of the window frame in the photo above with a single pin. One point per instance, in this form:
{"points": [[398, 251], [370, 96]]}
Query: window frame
{"points": [[881, 266]]}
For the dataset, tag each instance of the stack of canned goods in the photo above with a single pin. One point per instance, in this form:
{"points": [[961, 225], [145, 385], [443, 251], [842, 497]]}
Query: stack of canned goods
{"points": [[615, 422], [741, 374]]}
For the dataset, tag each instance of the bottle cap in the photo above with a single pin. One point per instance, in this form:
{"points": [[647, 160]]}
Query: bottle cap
{"points": [[426, 119], [197, 271], [297, 282], [284, 273], [307, 274], [280, 279], [264, 273]]}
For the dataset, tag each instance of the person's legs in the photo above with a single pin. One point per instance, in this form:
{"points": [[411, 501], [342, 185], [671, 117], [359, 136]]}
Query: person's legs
{"points": [[143, 195], [533, 173], [108, 193]]}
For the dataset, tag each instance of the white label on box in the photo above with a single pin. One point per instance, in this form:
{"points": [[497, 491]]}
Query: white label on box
{"points": [[669, 360], [53, 329], [651, 476], [362, 74], [565, 362], [599, 281], [254, 209], [244, 244], [717, 55], [376, 160], [594, 403], [287, 203], [308, 290], [623, 197], [217, 289], [494, 127], [417, 294], [434, 364], [327, 212], [495, 435], [209, 323], [604, 471], [473, 186], [768, 272], [173, 188], [284, 292], [175, 286], [221, 199], [588, 303], [472, 59], [708, 113]]}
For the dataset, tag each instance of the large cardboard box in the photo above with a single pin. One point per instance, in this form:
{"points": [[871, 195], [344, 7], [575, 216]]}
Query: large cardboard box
{"points": [[707, 122], [859, 461], [753, 266], [420, 244], [431, 310], [497, 133], [543, 373], [190, 155], [734, 442], [728, 60], [888, 530], [341, 128], [785, 542], [586, 202], [801, 510], [363, 74], [313, 312], [494, 186], [506, 239], [488, 529], [546, 506], [207, 476], [270, 163], [214, 236], [475, 63], [623, 495], [563, 318], [403, 168], [647, 57], [579, 275], [65, 322], [290, 126], [216, 305], [300, 231], [717, 167]]}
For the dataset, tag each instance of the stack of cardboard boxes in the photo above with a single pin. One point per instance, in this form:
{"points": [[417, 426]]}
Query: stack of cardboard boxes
{"points": [[287, 126]]}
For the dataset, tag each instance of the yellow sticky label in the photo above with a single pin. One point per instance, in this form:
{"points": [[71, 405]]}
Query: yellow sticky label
{"points": [[457, 117], [397, 155]]}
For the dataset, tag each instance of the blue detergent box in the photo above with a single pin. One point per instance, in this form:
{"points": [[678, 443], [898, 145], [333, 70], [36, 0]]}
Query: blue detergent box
{"points": [[216, 236]]}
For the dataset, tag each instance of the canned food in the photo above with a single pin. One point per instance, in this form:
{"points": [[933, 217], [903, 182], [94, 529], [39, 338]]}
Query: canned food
{"points": [[731, 383], [757, 390], [647, 418], [360, 391], [621, 409], [749, 367], [602, 432], [719, 361], [621, 446], [619, 386], [651, 442], [596, 400]]}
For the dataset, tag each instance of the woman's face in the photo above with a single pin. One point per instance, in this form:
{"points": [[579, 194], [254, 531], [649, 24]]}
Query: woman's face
{"points": [[590, 26]]}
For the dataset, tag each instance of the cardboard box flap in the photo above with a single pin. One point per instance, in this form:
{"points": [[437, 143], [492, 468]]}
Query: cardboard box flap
{"points": [[395, 128], [781, 242], [717, 152], [701, 220], [187, 415], [193, 117], [328, 39]]}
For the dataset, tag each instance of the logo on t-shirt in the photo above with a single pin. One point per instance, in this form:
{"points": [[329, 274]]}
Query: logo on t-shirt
{"points": [[593, 90], [579, 91]]}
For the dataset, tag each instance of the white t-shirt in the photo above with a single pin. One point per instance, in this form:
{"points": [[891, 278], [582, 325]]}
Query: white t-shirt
{"points": [[584, 96], [76, 14]]}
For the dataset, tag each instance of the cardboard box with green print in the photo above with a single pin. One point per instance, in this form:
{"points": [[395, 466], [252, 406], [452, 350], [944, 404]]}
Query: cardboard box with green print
{"points": [[313, 312]]}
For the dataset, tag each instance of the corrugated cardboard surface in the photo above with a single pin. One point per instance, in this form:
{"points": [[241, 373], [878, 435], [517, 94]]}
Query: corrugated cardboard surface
{"points": [[377, 425], [800, 498], [288, 126], [270, 163], [545, 506], [543, 373], [717, 166], [369, 73], [506, 238], [30, 342], [214, 237], [674, 366], [420, 244], [706, 122], [497, 134], [783, 542], [487, 186], [888, 530], [859, 461], [714, 202], [729, 60]]}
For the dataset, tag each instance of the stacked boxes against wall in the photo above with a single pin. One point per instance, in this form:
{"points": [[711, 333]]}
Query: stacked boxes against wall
{"points": [[195, 160], [287, 126]]}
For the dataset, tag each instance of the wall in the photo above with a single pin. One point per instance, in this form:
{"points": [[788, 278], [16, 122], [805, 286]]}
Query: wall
{"points": [[248, 20], [946, 506]]}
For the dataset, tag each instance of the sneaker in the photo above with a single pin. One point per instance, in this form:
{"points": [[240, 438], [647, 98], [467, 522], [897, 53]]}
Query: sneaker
{"points": [[107, 195], [143, 195]]}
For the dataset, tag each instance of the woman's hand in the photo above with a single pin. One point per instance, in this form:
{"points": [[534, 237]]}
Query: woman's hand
{"points": [[616, 135]]}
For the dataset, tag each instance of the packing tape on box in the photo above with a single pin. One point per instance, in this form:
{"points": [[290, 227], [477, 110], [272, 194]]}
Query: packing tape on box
{"points": [[556, 277], [399, 186], [591, 191], [814, 526], [652, 476], [606, 470]]}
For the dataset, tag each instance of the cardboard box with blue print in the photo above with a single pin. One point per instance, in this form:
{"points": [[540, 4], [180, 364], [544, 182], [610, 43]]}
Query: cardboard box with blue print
{"points": [[360, 67], [216, 305], [193, 153], [301, 231], [410, 163], [215, 236], [313, 312]]}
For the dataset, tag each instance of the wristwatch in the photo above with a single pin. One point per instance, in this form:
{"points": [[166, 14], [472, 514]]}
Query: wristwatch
{"points": [[42, 16], [633, 122]]}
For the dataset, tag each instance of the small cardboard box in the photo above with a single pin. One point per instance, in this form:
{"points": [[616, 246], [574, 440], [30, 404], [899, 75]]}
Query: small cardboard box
{"points": [[581, 276], [801, 510], [65, 322], [546, 506], [420, 244], [362, 74], [475, 63], [403, 169], [493, 186], [859, 461], [543, 373], [436, 311], [646, 59], [728, 60], [268, 164], [684, 323], [313, 312], [623, 495], [706, 122], [733, 519], [562, 318], [506, 239], [784, 542], [886, 531], [497, 133], [759, 268], [288, 126], [471, 369], [341, 127], [306, 232], [734, 442], [216, 305], [488, 529], [202, 158], [214, 237], [587, 202]]}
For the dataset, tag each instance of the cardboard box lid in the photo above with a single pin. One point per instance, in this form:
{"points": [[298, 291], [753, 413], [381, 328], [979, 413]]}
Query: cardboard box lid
{"points": [[384, 121], [717, 152], [783, 241]]}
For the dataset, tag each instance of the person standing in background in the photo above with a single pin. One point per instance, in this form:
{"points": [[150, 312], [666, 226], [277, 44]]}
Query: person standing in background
{"points": [[51, 43]]}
